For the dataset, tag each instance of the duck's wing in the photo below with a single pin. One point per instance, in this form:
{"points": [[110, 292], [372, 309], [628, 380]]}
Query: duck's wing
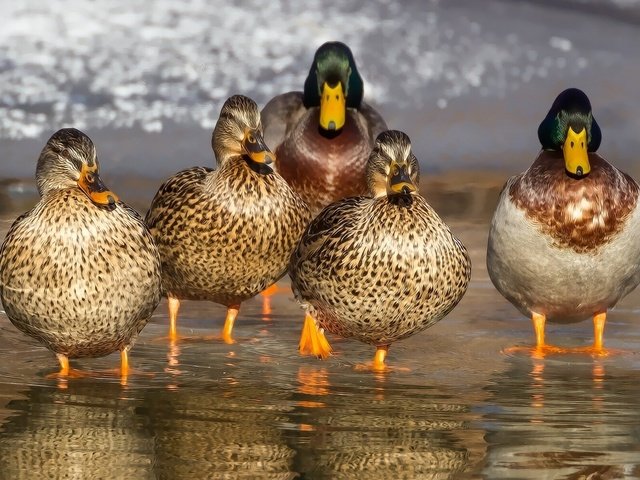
{"points": [[333, 222], [279, 116], [374, 121]]}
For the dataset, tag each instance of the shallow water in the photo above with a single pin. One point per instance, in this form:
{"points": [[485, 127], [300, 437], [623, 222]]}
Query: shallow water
{"points": [[255, 409]]}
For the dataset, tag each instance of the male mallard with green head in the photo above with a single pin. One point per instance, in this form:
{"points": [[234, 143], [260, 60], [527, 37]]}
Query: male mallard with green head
{"points": [[323, 136], [79, 271], [564, 242], [225, 235], [381, 267]]}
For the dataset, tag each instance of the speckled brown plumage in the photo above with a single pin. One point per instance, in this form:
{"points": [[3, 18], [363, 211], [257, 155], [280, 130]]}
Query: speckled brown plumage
{"points": [[81, 278], [551, 198], [224, 235], [383, 267]]}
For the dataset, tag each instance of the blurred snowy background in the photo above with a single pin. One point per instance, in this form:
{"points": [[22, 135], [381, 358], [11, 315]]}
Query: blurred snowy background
{"points": [[469, 81]]}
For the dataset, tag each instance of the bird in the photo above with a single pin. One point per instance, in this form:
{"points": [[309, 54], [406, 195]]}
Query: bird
{"points": [[378, 267], [564, 240], [79, 271], [322, 136], [224, 235]]}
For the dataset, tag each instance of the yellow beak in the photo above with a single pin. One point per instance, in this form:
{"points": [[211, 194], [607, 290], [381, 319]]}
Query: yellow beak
{"points": [[400, 181], [256, 148], [333, 107], [576, 159], [91, 184]]}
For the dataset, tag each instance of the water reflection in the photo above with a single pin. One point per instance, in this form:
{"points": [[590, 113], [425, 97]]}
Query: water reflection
{"points": [[573, 418], [89, 430], [371, 427], [224, 430]]}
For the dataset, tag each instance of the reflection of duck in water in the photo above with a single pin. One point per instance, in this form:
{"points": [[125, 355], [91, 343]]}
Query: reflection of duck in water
{"points": [[382, 267], [370, 431], [226, 432], [86, 431], [565, 237], [554, 420], [323, 135], [225, 235], [80, 271]]}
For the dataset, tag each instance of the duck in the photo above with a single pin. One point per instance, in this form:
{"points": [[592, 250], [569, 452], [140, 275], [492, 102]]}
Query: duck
{"points": [[323, 135], [226, 234], [378, 267], [79, 272], [565, 236]]}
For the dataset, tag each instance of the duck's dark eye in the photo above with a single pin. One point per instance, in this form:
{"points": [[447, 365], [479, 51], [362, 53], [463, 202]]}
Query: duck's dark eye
{"points": [[571, 144], [89, 177], [395, 170], [251, 139]]}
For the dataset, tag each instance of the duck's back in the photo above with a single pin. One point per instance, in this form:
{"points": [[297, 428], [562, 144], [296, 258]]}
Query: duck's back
{"points": [[379, 270], [82, 279], [225, 235]]}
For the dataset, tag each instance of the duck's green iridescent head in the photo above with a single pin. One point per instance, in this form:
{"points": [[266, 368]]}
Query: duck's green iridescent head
{"points": [[570, 127], [69, 160], [392, 168], [333, 84]]}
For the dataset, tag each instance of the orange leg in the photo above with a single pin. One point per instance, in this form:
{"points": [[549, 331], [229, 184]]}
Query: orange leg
{"points": [[66, 371], [597, 348], [378, 364], [598, 331], [312, 339], [378, 359], [232, 313], [124, 363], [541, 348], [124, 367], [174, 306], [64, 365], [538, 326], [271, 290]]}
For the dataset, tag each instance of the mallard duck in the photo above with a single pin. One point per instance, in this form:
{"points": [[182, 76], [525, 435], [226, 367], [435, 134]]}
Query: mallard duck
{"points": [[323, 136], [224, 235], [381, 267], [565, 236], [79, 272]]}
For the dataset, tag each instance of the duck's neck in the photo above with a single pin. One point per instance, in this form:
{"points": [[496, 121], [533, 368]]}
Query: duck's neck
{"points": [[236, 171]]}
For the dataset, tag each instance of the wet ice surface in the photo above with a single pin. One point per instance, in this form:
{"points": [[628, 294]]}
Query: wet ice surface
{"points": [[255, 409]]}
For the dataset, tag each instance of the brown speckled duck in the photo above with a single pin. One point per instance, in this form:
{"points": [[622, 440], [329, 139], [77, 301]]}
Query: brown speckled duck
{"points": [[382, 267], [80, 271], [322, 136], [564, 242], [225, 235]]}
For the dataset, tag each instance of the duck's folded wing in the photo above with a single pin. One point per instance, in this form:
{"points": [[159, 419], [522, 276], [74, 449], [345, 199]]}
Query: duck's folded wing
{"points": [[279, 116], [374, 120]]}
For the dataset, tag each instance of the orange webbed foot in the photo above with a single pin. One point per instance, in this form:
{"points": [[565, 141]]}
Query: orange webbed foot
{"points": [[312, 339]]}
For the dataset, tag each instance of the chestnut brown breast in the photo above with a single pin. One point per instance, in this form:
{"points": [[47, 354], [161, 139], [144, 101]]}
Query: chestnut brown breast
{"points": [[581, 214], [324, 168]]}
